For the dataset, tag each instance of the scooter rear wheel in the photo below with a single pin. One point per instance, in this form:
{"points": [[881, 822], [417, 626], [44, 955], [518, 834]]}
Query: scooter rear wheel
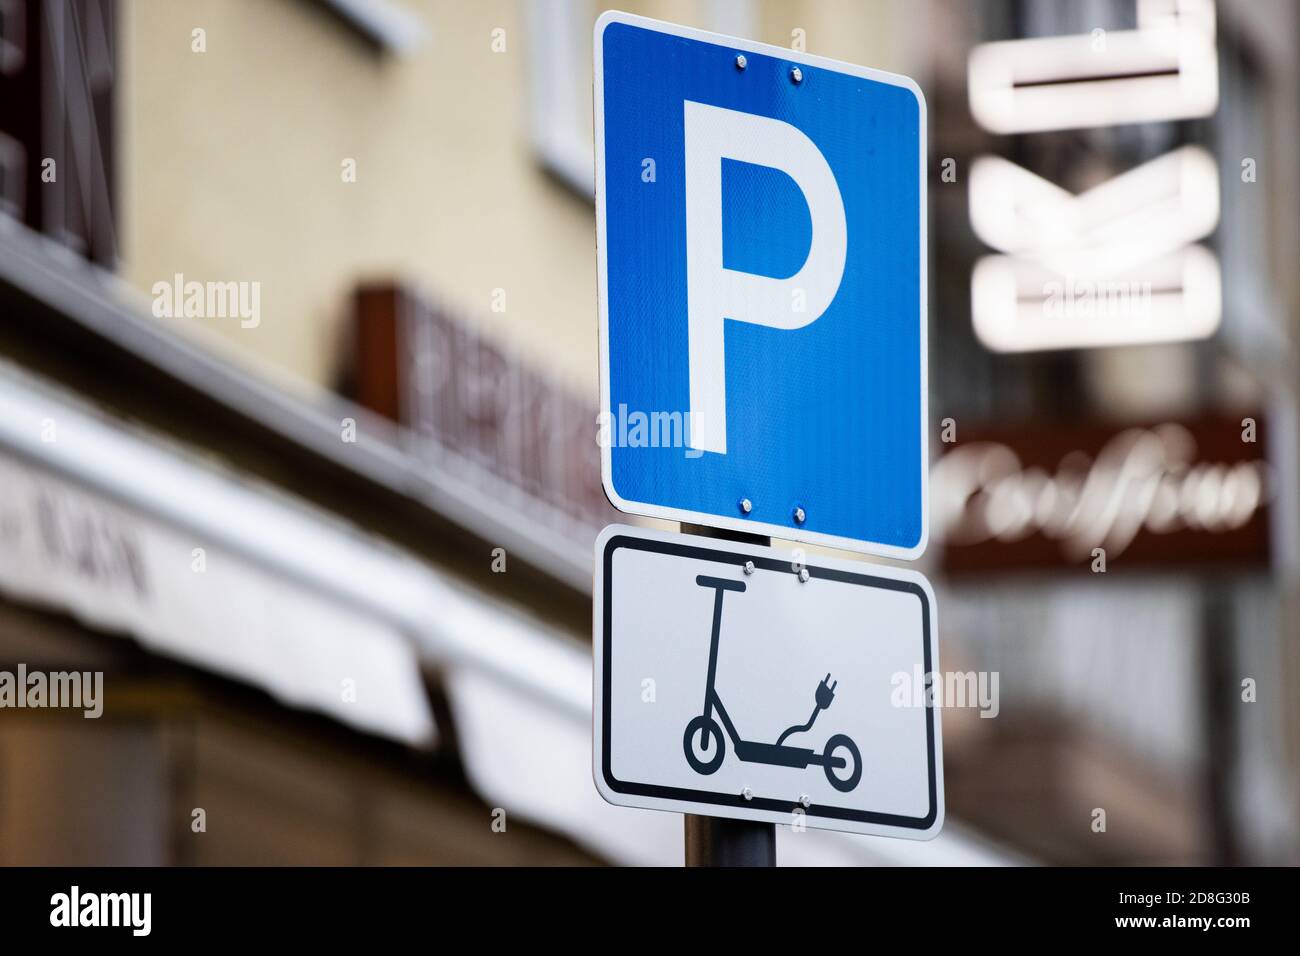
{"points": [[853, 761], [706, 727]]}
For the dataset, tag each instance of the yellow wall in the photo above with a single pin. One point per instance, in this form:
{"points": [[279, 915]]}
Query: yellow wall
{"points": [[232, 162]]}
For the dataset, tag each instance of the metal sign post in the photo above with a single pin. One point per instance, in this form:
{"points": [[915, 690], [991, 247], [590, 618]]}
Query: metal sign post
{"points": [[718, 841]]}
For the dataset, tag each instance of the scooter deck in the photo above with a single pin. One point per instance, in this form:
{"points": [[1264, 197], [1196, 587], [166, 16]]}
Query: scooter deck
{"points": [[782, 756]]}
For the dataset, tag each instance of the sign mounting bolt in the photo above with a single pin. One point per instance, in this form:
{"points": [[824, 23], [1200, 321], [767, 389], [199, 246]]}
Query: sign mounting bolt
{"points": [[741, 62], [799, 515], [803, 575], [749, 567], [796, 75], [747, 794], [805, 800], [746, 505]]}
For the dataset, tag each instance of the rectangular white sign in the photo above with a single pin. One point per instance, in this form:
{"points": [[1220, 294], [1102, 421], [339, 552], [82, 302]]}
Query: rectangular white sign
{"points": [[736, 680]]}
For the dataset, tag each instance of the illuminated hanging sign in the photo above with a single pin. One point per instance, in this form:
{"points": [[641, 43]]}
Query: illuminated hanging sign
{"points": [[1167, 494], [1119, 263], [1166, 69]]}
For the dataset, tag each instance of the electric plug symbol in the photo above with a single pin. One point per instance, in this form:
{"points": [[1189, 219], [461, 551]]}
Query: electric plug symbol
{"points": [[826, 692]]}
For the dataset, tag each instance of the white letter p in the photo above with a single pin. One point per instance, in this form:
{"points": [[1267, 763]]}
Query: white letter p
{"points": [[715, 293]]}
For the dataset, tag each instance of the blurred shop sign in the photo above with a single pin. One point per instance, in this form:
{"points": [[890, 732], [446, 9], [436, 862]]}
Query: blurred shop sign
{"points": [[1042, 496], [1118, 263], [57, 131], [475, 409]]}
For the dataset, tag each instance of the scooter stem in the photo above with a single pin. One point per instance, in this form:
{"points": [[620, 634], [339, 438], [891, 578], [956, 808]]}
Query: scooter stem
{"points": [[720, 585]]}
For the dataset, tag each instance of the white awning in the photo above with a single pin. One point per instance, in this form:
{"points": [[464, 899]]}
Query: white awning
{"points": [[135, 538]]}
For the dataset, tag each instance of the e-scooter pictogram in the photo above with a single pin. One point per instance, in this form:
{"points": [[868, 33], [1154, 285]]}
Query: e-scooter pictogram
{"points": [[713, 746]]}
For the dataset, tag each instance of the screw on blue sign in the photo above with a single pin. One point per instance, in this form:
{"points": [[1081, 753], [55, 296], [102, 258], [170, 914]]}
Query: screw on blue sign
{"points": [[762, 294]]}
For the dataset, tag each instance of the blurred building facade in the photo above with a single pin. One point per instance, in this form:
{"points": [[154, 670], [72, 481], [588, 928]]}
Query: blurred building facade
{"points": [[326, 526], [1093, 143]]}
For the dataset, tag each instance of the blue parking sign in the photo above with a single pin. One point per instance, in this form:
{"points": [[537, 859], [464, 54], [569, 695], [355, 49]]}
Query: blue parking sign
{"points": [[761, 246]]}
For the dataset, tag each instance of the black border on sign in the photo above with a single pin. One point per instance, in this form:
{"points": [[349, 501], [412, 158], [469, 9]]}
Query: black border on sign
{"points": [[737, 800]]}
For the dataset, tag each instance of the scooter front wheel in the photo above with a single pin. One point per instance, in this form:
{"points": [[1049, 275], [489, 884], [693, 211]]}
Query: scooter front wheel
{"points": [[852, 760], [713, 750]]}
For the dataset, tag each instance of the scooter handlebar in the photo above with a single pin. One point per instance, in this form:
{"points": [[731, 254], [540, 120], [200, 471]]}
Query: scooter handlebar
{"points": [[722, 584]]}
